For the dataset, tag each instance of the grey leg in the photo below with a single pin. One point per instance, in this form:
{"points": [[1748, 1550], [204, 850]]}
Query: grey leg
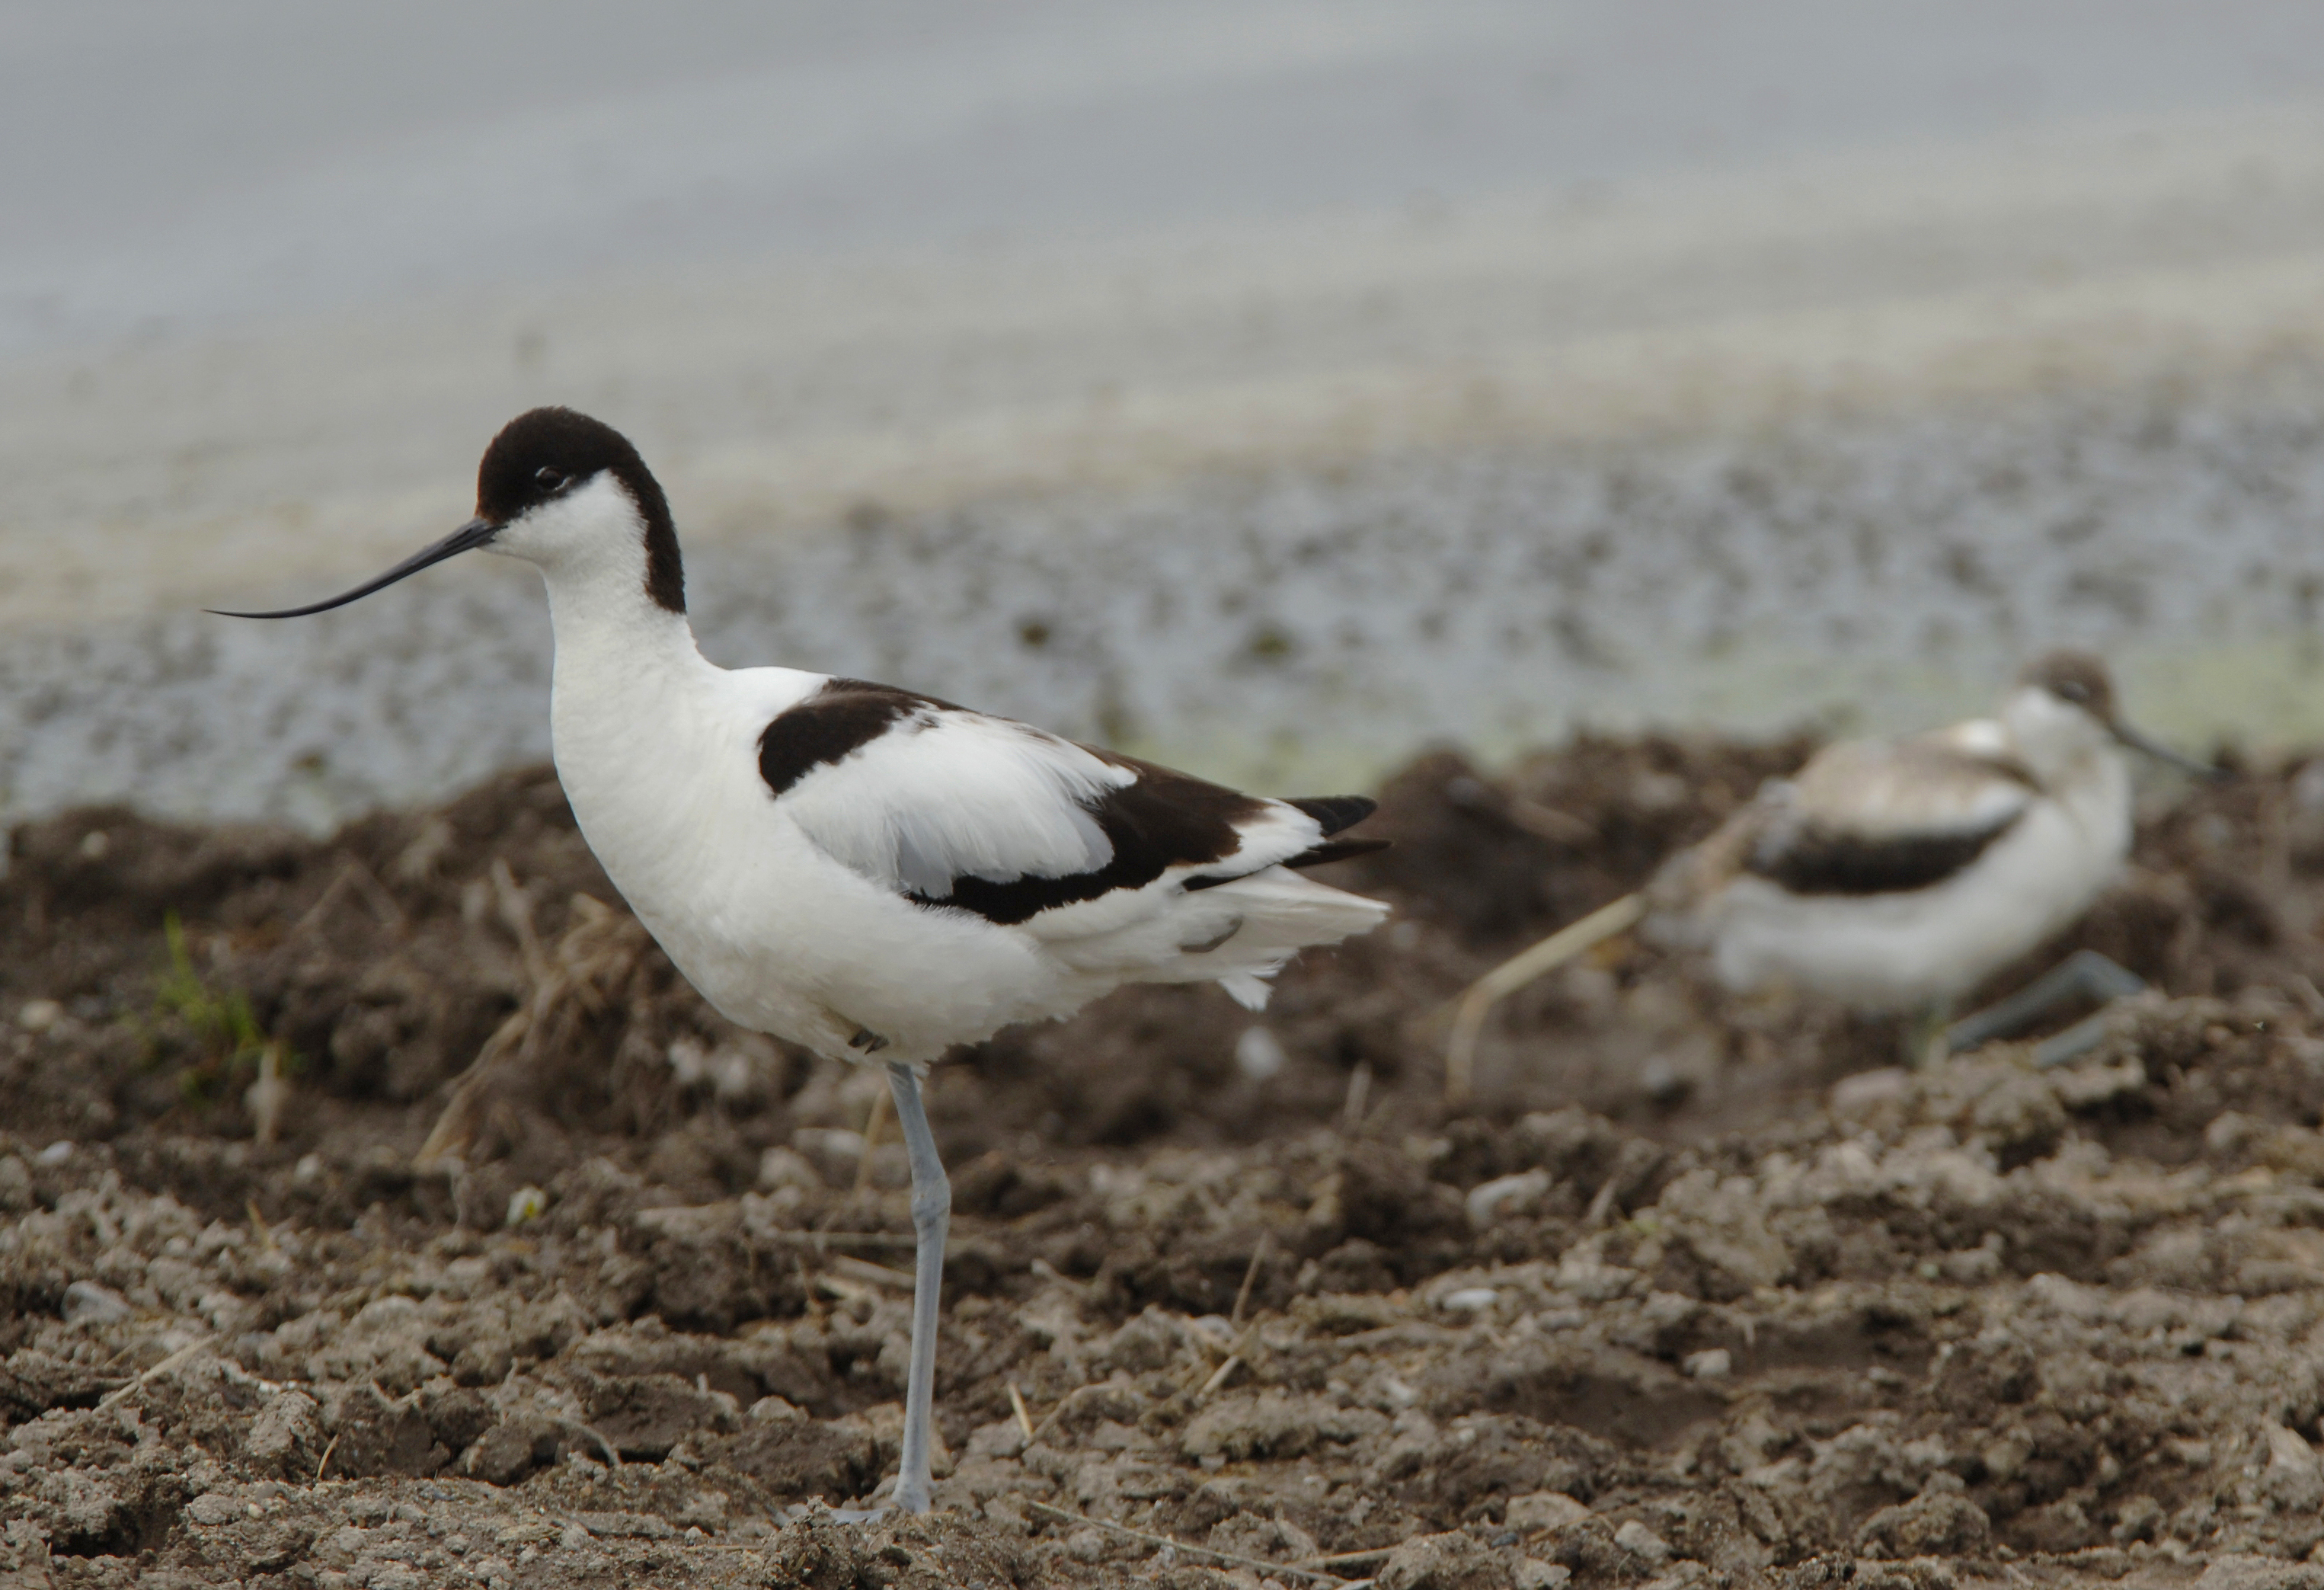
{"points": [[2072, 1044], [2085, 972], [931, 1219]]}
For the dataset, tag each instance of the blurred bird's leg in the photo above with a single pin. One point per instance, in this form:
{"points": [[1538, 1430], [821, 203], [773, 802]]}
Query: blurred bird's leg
{"points": [[931, 1220], [2085, 975], [2072, 1044]]}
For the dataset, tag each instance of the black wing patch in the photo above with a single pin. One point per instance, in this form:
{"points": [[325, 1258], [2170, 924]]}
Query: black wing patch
{"points": [[1335, 850], [1163, 819], [1336, 811], [832, 725], [1807, 859]]}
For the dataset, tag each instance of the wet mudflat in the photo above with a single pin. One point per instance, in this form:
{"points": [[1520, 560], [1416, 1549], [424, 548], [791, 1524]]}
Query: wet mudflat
{"points": [[1700, 1291]]}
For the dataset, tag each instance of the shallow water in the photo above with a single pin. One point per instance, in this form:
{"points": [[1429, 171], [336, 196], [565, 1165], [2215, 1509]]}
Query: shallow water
{"points": [[1299, 630]]}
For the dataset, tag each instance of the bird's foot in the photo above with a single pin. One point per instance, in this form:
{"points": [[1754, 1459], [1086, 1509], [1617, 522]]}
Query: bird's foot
{"points": [[868, 1041], [889, 1499]]}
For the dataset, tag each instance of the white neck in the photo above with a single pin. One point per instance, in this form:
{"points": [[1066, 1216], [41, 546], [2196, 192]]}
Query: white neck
{"points": [[2059, 744], [632, 713], [626, 667], [2078, 761], [613, 638]]}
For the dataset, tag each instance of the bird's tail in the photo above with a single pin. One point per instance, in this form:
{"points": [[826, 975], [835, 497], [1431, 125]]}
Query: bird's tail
{"points": [[1282, 914]]}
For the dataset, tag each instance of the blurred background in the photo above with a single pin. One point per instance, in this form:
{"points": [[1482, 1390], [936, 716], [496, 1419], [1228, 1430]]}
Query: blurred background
{"points": [[1272, 388]]}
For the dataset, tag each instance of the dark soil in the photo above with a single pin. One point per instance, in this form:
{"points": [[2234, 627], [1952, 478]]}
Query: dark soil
{"points": [[1700, 1290]]}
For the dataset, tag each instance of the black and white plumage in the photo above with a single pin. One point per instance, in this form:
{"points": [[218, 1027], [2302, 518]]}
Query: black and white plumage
{"points": [[859, 869], [1127, 822], [1898, 874], [1865, 820], [1891, 876]]}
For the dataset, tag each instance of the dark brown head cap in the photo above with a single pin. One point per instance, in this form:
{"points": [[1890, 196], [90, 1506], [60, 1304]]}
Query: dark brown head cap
{"points": [[2077, 678], [544, 453]]}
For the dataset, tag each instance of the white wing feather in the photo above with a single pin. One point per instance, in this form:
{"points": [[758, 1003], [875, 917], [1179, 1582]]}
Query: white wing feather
{"points": [[1929, 784], [959, 795]]}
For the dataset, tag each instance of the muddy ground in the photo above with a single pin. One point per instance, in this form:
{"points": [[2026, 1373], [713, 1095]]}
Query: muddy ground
{"points": [[1700, 1291]]}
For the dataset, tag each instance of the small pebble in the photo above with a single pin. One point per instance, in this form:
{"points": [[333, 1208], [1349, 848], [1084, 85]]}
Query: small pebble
{"points": [[38, 1015], [1713, 1363], [56, 1153], [211, 1509], [835, 1151], [1661, 1080], [1642, 1543], [527, 1203], [1852, 1095], [1487, 1199], [1471, 1300], [1258, 1054], [783, 1167], [1544, 1510], [88, 1303]]}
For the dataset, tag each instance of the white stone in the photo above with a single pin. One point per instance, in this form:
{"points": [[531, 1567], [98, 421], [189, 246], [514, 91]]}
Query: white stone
{"points": [[1487, 1199], [88, 1303], [1544, 1510], [1258, 1054], [781, 1166], [527, 1203], [1642, 1543], [213, 1510]]}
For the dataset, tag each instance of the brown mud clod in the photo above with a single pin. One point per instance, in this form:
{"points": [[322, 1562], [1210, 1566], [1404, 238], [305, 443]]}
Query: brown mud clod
{"points": [[541, 1274]]}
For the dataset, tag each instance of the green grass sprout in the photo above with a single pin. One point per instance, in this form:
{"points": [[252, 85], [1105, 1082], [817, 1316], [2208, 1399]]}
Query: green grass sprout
{"points": [[230, 1044]]}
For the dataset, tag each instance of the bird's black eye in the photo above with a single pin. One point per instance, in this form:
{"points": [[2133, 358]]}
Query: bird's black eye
{"points": [[549, 476], [2073, 690]]}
